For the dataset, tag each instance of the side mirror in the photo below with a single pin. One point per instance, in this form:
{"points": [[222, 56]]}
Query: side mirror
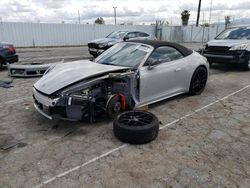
{"points": [[152, 64], [125, 38]]}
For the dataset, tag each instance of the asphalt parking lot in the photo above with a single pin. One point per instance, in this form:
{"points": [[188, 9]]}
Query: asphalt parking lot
{"points": [[204, 141]]}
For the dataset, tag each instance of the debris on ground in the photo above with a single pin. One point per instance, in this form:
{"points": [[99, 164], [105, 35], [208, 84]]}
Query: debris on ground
{"points": [[6, 83], [29, 70], [13, 144]]}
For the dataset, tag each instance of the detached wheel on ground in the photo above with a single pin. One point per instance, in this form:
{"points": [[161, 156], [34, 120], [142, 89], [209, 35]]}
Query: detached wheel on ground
{"points": [[198, 81], [136, 127]]}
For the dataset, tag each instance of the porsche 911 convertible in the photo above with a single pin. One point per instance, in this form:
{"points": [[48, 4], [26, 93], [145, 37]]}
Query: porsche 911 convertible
{"points": [[126, 76]]}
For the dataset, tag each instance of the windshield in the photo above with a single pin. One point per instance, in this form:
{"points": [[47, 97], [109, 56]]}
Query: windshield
{"points": [[124, 54], [235, 33], [116, 35]]}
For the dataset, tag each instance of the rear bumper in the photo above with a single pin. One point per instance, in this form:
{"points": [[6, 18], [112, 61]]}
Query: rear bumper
{"points": [[235, 57], [11, 59]]}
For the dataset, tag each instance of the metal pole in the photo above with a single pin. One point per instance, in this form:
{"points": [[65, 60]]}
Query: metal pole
{"points": [[210, 12], [79, 18], [198, 13], [115, 14], [191, 34]]}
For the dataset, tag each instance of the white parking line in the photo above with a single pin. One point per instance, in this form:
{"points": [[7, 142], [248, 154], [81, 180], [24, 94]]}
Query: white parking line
{"points": [[124, 145], [15, 100]]}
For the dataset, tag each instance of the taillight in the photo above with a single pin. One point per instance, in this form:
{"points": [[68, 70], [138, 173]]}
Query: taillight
{"points": [[11, 49]]}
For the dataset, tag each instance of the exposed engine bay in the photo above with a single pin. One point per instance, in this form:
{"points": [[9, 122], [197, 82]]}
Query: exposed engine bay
{"points": [[105, 95]]}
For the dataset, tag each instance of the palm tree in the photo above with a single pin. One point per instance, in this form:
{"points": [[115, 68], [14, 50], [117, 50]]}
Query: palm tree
{"points": [[99, 21], [185, 17]]}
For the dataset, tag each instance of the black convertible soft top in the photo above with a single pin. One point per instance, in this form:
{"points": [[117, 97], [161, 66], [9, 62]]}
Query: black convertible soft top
{"points": [[156, 44]]}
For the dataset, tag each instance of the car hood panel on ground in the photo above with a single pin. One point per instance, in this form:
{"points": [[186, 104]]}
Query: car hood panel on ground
{"points": [[65, 74], [227, 42]]}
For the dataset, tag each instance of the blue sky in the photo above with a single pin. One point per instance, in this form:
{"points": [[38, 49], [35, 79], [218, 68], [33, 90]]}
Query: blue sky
{"points": [[128, 11]]}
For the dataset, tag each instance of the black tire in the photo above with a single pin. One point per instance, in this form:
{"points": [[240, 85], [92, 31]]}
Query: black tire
{"points": [[198, 81], [210, 64], [246, 65], [1, 63], [136, 127]]}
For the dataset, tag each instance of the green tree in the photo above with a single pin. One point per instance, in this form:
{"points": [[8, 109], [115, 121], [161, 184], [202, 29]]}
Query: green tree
{"points": [[99, 20], [185, 17]]}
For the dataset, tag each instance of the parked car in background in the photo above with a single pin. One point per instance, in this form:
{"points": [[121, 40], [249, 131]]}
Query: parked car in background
{"points": [[128, 75], [231, 46], [96, 47], [7, 54]]}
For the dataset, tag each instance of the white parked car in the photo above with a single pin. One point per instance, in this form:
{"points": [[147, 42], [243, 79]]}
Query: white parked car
{"points": [[232, 46], [128, 75]]}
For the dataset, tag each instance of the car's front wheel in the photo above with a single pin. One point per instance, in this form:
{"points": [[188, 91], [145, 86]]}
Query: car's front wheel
{"points": [[1, 63], [198, 81], [246, 65]]}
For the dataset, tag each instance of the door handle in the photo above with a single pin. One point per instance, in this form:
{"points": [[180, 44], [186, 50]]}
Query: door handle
{"points": [[177, 70]]}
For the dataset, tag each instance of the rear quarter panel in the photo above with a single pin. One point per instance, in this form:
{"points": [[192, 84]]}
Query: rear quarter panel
{"points": [[193, 61]]}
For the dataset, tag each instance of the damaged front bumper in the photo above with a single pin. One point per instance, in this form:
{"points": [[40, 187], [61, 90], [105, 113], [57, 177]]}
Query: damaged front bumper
{"points": [[65, 107]]}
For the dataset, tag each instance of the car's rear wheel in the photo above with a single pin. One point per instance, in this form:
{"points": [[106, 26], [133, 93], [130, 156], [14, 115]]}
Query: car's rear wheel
{"points": [[136, 127], [198, 81]]}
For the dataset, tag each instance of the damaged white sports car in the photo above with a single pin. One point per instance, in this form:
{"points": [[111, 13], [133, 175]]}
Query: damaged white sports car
{"points": [[128, 75]]}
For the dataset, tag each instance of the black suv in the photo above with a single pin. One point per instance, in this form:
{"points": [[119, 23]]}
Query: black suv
{"points": [[7, 54], [231, 46], [96, 47]]}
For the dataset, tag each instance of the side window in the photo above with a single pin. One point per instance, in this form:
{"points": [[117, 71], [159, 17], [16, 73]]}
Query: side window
{"points": [[131, 35], [143, 35], [164, 54]]}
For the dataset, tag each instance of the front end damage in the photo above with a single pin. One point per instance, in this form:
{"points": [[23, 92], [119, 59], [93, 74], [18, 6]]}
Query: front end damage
{"points": [[87, 100]]}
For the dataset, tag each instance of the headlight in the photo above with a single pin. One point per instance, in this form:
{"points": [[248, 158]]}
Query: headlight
{"points": [[81, 93], [102, 45], [110, 43], [106, 44], [242, 46]]}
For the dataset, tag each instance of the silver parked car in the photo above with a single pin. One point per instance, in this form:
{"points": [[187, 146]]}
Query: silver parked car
{"points": [[231, 46], [128, 75], [96, 47]]}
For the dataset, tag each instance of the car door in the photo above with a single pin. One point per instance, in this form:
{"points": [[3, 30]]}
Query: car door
{"points": [[143, 36], [131, 35], [165, 79]]}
